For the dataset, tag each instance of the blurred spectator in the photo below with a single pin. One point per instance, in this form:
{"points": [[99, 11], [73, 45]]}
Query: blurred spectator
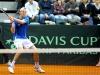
{"points": [[71, 7], [97, 5], [32, 8], [90, 1], [92, 9], [78, 2], [72, 10], [20, 3], [83, 13], [46, 11], [53, 1], [66, 1], [82, 9], [59, 11]]}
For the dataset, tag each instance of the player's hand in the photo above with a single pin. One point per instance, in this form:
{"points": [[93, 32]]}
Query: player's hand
{"points": [[11, 18]]}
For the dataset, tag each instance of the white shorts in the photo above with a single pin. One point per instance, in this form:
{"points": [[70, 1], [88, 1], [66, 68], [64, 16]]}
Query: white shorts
{"points": [[23, 43]]}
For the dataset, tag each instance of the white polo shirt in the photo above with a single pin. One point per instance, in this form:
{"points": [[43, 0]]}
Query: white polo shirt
{"points": [[32, 9]]}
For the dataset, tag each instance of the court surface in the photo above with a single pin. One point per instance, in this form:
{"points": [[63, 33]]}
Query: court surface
{"points": [[28, 69]]}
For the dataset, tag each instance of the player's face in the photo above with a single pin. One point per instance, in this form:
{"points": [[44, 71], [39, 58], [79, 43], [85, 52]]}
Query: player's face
{"points": [[22, 12]]}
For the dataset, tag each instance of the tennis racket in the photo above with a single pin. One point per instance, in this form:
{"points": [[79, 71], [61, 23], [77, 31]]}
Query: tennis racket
{"points": [[4, 11]]}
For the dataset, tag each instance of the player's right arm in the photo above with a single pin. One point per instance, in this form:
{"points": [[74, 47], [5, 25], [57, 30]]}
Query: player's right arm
{"points": [[12, 28], [12, 19]]}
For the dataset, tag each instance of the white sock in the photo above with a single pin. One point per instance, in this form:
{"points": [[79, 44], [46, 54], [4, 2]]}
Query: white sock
{"points": [[36, 64], [13, 63]]}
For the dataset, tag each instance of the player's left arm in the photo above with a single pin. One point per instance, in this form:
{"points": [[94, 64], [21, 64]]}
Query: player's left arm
{"points": [[12, 28]]}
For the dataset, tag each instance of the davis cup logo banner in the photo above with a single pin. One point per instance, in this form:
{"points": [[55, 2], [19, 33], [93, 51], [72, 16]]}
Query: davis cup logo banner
{"points": [[57, 36]]}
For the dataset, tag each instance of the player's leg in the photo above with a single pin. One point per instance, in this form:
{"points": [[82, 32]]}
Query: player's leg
{"points": [[98, 64], [19, 46], [15, 58], [28, 44], [36, 60], [12, 64]]}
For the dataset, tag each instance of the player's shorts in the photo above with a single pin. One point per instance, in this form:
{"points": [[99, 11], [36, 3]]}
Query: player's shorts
{"points": [[23, 43]]}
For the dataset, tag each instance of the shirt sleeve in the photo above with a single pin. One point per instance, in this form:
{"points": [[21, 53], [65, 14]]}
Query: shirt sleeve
{"points": [[26, 20]]}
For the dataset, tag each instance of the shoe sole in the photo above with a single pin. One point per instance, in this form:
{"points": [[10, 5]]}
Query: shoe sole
{"points": [[38, 71]]}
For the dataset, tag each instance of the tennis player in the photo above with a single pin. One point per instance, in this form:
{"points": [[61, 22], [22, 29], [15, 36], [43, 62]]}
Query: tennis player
{"points": [[19, 29]]}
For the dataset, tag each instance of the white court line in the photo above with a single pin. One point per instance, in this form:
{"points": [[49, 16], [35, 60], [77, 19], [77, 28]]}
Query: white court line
{"points": [[51, 50]]}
